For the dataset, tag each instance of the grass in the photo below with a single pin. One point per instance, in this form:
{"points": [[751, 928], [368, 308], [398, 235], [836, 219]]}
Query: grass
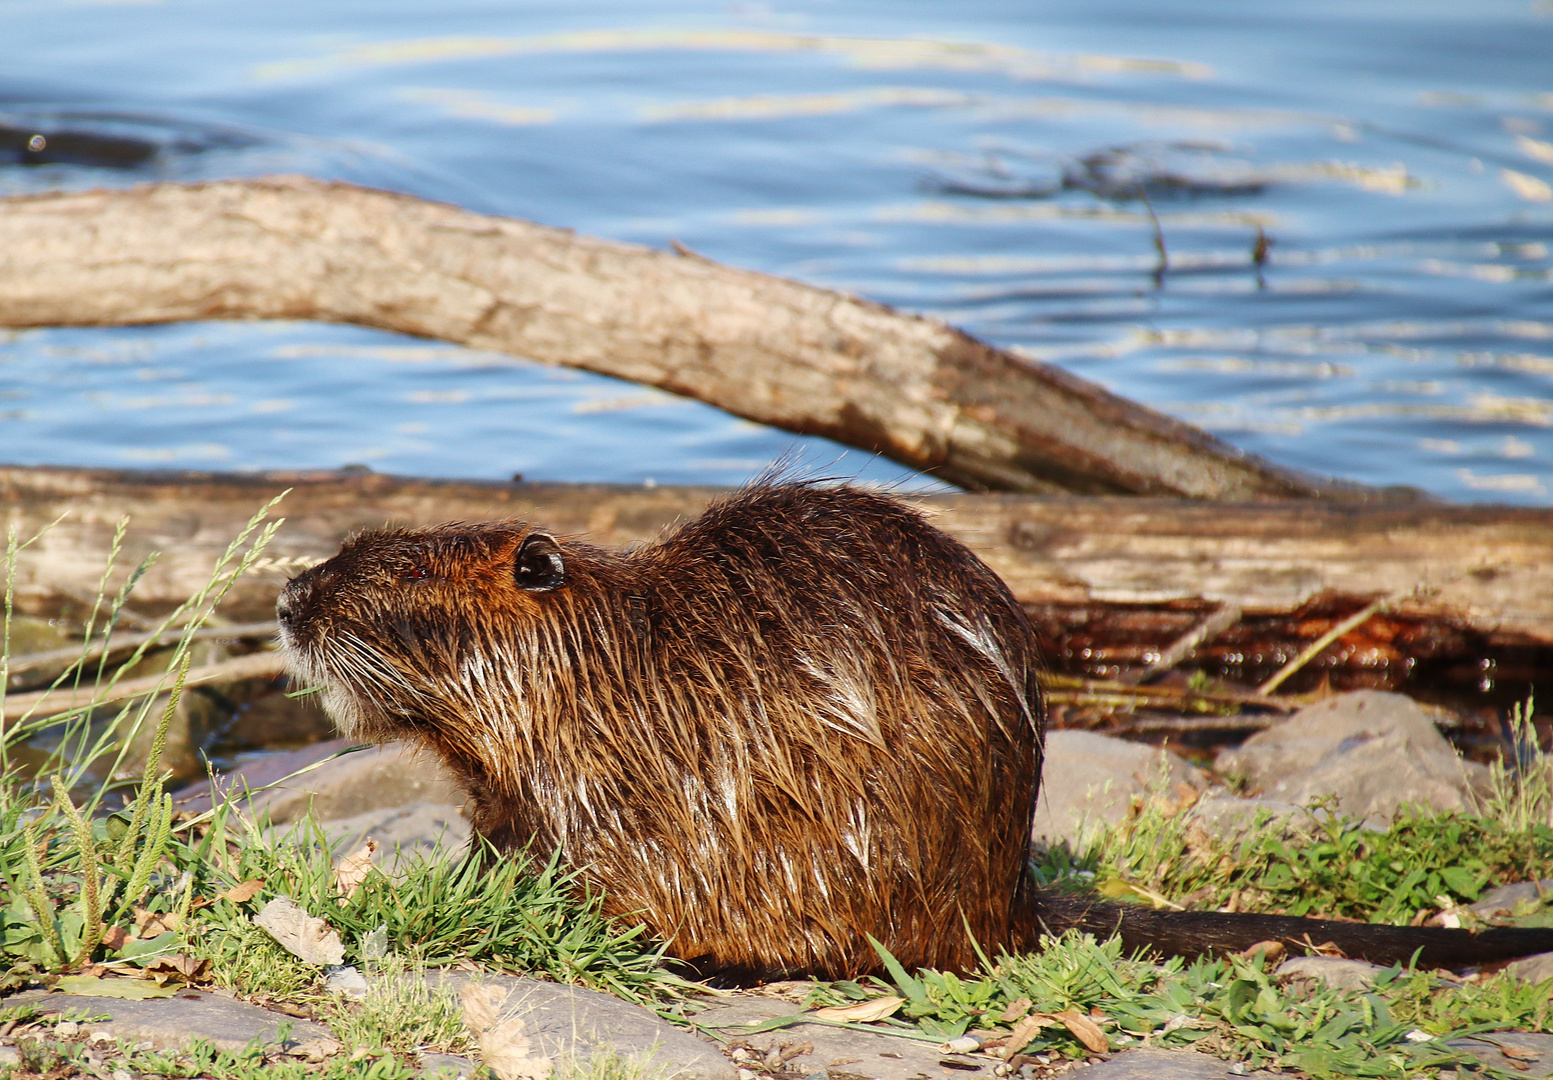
{"points": [[84, 890], [402, 1012], [145, 889], [1324, 864]]}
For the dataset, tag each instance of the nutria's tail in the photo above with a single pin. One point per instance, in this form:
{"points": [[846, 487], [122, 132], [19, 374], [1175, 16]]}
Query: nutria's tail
{"points": [[1194, 933]]}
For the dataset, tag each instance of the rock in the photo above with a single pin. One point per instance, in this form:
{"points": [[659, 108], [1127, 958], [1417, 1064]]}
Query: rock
{"points": [[1088, 780], [1222, 813], [403, 832], [271, 720], [169, 1023], [1374, 751], [29, 636], [1511, 901], [384, 777], [568, 1022], [447, 1066], [1533, 969], [1333, 972], [840, 1051], [1152, 1064], [1518, 1053]]}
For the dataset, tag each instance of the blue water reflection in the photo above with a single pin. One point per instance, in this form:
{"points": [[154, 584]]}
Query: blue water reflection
{"points": [[1355, 202]]}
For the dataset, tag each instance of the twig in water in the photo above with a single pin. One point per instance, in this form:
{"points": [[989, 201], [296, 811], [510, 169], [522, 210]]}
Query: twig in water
{"points": [[1159, 238], [1182, 725], [1073, 690], [1358, 618], [1218, 621]]}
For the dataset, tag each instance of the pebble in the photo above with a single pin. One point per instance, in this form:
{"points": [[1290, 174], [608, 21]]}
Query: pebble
{"points": [[348, 982], [67, 1029]]}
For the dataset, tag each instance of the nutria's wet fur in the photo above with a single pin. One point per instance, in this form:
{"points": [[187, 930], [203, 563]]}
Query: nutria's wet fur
{"points": [[805, 717]]}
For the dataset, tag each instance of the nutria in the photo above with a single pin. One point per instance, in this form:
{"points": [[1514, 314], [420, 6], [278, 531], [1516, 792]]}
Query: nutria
{"points": [[802, 720]]}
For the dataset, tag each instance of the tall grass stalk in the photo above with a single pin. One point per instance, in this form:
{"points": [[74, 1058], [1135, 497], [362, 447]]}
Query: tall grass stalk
{"points": [[58, 833]]}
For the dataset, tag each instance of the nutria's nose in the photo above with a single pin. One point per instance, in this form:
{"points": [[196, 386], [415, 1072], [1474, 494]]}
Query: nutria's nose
{"points": [[296, 597]]}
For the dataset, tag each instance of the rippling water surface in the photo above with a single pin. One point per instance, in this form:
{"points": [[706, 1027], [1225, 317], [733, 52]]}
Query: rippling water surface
{"points": [[1321, 231]]}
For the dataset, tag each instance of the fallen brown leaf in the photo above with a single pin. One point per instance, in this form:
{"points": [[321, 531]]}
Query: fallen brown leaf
{"points": [[1023, 1032], [179, 967], [315, 1050], [149, 924], [1271, 951], [114, 937], [1015, 1010], [305, 937], [862, 1012], [504, 1049], [241, 894], [353, 870], [1084, 1030]]}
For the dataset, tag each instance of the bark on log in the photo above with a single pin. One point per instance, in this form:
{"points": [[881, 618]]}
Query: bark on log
{"points": [[1487, 565], [761, 347]]}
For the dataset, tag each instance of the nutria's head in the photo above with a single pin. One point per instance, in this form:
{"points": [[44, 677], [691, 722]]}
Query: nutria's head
{"points": [[412, 632]]}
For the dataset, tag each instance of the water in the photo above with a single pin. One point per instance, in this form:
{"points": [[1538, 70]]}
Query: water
{"points": [[1355, 201]]}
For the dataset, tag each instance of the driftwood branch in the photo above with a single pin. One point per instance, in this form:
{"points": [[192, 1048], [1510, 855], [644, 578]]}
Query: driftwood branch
{"points": [[260, 665], [761, 347], [1479, 567]]}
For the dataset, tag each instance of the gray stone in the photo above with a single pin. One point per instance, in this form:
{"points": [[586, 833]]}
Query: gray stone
{"points": [[1533, 969], [380, 778], [1334, 972], [1519, 1053], [169, 1023], [1224, 813], [403, 832], [1374, 751], [9, 1055], [840, 1052], [1089, 780], [568, 1022], [1505, 901], [1152, 1064], [446, 1065]]}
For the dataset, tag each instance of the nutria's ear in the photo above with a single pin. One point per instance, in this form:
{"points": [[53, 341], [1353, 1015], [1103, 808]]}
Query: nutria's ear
{"points": [[538, 566]]}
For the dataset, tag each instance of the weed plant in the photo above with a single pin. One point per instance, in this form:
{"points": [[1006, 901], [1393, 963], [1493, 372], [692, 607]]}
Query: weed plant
{"points": [[83, 889], [1323, 864]]}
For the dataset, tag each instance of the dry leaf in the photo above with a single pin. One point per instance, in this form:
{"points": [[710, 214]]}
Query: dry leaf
{"points": [[504, 1049], [1015, 1010], [863, 1012], [114, 937], [241, 894], [1023, 1032], [150, 924], [315, 1050], [1271, 951], [1085, 1031], [353, 870], [310, 940], [179, 967]]}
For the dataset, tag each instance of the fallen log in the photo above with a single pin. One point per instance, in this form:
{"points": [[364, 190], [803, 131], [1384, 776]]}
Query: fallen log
{"points": [[761, 347], [1482, 569]]}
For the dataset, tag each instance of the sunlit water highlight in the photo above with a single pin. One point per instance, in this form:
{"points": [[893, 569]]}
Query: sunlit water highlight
{"points": [[980, 161]]}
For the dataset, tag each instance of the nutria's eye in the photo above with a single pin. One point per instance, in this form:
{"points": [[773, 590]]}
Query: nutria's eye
{"points": [[415, 573]]}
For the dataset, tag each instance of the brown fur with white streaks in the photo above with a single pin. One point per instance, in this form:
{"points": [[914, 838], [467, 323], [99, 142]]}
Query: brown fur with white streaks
{"points": [[803, 719]]}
